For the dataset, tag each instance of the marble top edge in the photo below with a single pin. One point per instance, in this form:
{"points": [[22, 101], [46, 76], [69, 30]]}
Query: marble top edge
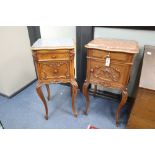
{"points": [[53, 44], [120, 45], [113, 39]]}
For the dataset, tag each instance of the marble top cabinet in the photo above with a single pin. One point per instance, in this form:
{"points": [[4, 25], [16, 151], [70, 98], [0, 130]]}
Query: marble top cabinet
{"points": [[54, 61]]}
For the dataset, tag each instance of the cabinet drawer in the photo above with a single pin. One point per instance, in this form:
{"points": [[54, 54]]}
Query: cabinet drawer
{"points": [[115, 74], [54, 70], [49, 56], [115, 56]]}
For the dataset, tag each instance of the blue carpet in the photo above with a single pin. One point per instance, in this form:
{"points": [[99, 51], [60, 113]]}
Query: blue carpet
{"points": [[25, 110]]}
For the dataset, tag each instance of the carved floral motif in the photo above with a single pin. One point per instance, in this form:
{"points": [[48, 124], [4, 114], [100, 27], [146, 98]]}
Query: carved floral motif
{"points": [[53, 70], [103, 72]]}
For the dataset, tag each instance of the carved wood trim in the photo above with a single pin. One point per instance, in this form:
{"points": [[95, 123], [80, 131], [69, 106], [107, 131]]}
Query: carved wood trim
{"points": [[56, 66], [103, 72], [113, 61], [107, 84]]}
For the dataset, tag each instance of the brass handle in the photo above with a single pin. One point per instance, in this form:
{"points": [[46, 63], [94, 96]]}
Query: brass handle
{"points": [[55, 71], [92, 70], [53, 56]]}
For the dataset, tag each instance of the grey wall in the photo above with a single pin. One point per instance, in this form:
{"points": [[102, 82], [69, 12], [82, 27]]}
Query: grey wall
{"points": [[143, 37], [16, 62]]}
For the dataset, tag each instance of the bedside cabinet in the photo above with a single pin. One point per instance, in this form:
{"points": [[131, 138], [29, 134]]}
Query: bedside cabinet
{"points": [[109, 63], [54, 61]]}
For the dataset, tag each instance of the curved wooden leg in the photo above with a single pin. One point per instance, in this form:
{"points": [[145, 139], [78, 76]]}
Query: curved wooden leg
{"points": [[41, 95], [71, 90], [74, 94], [48, 91], [122, 103], [95, 88], [85, 93]]}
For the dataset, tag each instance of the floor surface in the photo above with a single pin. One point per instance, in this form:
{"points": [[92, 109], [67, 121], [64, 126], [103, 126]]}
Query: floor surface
{"points": [[26, 111]]}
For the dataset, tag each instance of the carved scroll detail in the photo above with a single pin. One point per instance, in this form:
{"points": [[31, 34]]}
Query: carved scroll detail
{"points": [[54, 70], [105, 83], [103, 73]]}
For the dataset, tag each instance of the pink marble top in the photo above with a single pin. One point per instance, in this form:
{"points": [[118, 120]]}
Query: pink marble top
{"points": [[116, 45]]}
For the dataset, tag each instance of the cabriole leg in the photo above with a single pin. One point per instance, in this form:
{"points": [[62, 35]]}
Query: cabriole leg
{"points": [[85, 93], [48, 91], [41, 95], [122, 103], [95, 88], [74, 87]]}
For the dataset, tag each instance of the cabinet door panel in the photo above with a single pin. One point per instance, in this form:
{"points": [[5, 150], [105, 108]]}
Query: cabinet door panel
{"points": [[54, 70], [113, 74]]}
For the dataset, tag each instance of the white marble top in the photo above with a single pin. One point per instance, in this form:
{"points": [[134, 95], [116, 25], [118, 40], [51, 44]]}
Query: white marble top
{"points": [[53, 44]]}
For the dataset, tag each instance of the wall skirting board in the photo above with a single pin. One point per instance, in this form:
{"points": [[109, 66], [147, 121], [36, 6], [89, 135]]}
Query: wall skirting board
{"points": [[17, 92]]}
